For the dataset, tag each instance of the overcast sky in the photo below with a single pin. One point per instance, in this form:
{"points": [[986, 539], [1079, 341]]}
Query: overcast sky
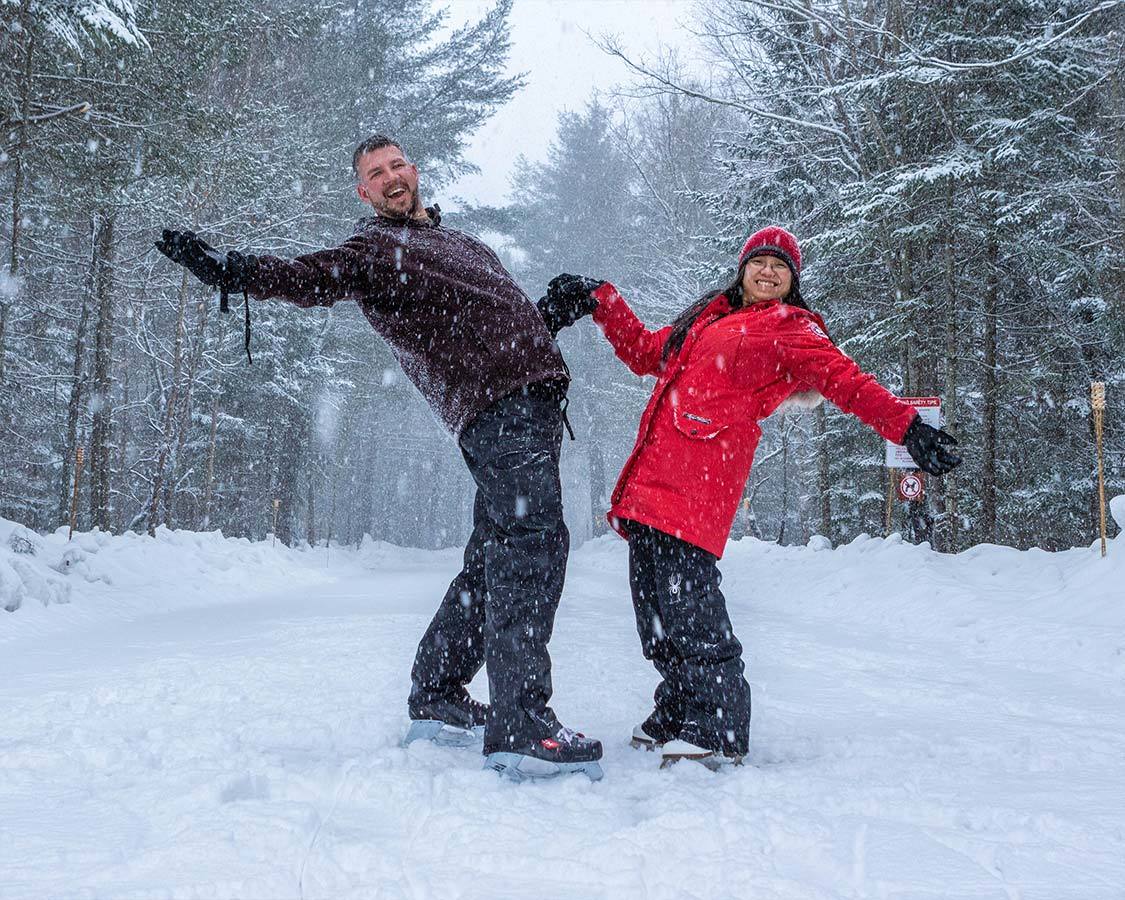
{"points": [[550, 44]]}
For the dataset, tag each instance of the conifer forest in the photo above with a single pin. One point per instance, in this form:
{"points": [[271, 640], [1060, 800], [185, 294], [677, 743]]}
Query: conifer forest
{"points": [[955, 172]]}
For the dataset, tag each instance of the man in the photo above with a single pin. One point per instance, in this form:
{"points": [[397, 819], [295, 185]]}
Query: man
{"points": [[483, 358]]}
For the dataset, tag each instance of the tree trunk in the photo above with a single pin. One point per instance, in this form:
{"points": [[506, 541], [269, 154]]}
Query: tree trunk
{"points": [[784, 480], [209, 479], [989, 386], [310, 508], [905, 288], [123, 441], [823, 480], [77, 383], [599, 500], [290, 456], [166, 435], [101, 400], [183, 427], [19, 155], [949, 402]]}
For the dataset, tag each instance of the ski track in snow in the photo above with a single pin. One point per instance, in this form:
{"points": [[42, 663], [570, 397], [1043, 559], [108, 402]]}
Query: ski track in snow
{"points": [[222, 720]]}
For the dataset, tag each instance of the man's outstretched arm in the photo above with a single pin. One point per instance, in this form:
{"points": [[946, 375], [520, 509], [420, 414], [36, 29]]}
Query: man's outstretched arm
{"points": [[312, 279], [320, 278]]}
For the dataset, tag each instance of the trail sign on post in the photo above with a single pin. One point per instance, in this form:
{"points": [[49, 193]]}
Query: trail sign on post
{"points": [[1097, 404], [79, 457], [929, 408], [911, 487]]}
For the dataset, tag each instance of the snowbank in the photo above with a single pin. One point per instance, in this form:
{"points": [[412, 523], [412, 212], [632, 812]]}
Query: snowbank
{"points": [[131, 572], [25, 572], [183, 567], [1065, 608]]}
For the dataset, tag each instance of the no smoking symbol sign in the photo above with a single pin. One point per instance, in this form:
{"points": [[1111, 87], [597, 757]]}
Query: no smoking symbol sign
{"points": [[910, 487]]}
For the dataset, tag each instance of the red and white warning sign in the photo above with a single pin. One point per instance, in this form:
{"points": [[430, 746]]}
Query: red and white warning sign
{"points": [[929, 408], [911, 486]]}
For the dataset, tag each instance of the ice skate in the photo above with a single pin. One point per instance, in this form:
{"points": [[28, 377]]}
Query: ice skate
{"points": [[673, 751], [448, 723], [642, 740], [567, 753]]}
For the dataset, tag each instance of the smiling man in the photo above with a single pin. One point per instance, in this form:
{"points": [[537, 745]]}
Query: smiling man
{"points": [[480, 353]]}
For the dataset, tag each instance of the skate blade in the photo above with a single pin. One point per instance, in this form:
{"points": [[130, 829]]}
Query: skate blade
{"points": [[708, 761], [518, 768], [437, 732], [638, 744]]}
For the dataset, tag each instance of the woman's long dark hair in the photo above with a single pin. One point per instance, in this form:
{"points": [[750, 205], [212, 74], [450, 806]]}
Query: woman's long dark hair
{"points": [[733, 291]]}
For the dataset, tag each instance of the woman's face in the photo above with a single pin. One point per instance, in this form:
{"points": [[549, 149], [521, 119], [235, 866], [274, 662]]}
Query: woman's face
{"points": [[766, 278]]}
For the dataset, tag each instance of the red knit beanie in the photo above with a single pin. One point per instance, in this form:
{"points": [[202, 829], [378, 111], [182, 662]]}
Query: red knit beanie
{"points": [[774, 241]]}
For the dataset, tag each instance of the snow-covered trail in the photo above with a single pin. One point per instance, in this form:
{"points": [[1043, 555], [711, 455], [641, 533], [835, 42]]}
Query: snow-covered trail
{"points": [[924, 726]]}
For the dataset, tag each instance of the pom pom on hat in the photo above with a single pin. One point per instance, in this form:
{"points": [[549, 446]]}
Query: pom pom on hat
{"points": [[773, 241]]}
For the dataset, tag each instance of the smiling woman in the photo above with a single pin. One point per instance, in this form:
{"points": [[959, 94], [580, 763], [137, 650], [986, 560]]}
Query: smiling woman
{"points": [[732, 358]]}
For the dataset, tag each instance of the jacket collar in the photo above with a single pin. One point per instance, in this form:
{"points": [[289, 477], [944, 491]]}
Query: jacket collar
{"points": [[763, 305], [377, 221]]}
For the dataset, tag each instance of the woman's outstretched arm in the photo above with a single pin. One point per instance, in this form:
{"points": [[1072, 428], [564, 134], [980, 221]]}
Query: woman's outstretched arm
{"points": [[639, 348], [807, 353]]}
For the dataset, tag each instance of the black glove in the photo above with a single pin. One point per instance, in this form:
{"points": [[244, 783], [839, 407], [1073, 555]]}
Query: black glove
{"points": [[226, 271], [926, 446], [568, 300]]}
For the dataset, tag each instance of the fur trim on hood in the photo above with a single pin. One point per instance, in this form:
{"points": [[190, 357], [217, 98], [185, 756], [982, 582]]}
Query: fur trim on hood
{"points": [[799, 400]]}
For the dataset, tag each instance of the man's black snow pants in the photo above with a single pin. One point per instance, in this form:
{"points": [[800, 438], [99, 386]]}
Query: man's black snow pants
{"points": [[500, 610], [703, 697]]}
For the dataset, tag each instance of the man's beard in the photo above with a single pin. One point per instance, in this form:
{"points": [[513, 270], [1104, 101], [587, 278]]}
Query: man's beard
{"points": [[390, 213]]}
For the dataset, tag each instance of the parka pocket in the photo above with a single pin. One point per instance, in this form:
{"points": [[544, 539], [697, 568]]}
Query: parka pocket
{"points": [[693, 425]]}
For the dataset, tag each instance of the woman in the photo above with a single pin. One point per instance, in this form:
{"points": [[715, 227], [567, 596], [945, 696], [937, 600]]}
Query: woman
{"points": [[732, 358]]}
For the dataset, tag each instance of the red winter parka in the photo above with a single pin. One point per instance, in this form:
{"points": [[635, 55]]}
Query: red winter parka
{"points": [[699, 431]]}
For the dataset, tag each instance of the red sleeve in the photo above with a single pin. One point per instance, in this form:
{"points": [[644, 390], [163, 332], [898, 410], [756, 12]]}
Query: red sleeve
{"points": [[635, 345], [809, 356], [316, 279]]}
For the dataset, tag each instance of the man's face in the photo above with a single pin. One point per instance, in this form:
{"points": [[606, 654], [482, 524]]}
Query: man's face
{"points": [[389, 183]]}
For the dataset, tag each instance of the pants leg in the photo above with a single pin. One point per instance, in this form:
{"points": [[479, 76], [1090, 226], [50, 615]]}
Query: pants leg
{"points": [[708, 677], [668, 700], [452, 650], [512, 450]]}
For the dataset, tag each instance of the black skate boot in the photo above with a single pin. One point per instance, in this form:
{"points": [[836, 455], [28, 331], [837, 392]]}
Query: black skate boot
{"points": [[448, 723], [566, 753]]}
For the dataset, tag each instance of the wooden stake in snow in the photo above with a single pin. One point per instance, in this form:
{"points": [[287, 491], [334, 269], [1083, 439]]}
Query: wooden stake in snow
{"points": [[79, 458], [1097, 404], [890, 502]]}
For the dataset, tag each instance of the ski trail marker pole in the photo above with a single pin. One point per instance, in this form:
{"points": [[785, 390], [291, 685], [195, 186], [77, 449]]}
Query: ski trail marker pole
{"points": [[1097, 404], [79, 456]]}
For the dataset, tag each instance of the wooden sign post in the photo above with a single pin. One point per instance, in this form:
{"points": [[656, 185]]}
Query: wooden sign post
{"points": [[889, 518], [901, 468], [1097, 404], [79, 457]]}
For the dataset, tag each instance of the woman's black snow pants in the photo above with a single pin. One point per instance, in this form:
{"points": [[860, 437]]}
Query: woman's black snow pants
{"points": [[682, 621]]}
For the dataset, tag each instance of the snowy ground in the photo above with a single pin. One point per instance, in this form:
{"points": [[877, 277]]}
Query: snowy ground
{"points": [[214, 718]]}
